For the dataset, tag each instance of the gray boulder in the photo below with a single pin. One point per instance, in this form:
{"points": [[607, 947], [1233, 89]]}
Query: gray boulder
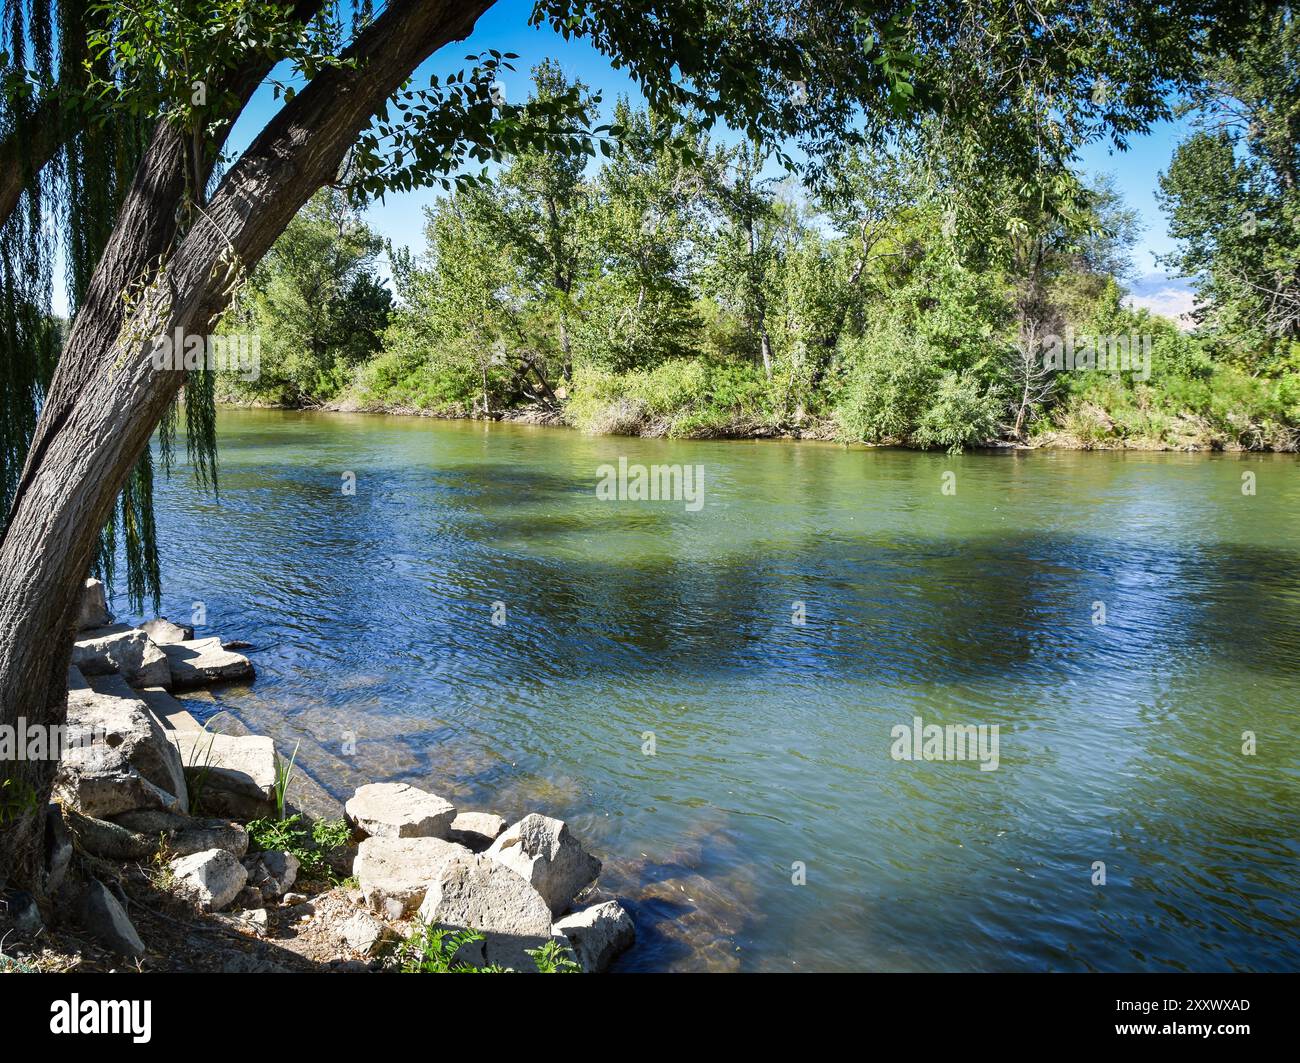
{"points": [[104, 917], [126, 651], [476, 830], [232, 775], [185, 835], [93, 611], [394, 873], [598, 934], [363, 933], [199, 662], [548, 857], [164, 632], [396, 810], [212, 879], [272, 873], [171, 713], [472, 891], [118, 757]]}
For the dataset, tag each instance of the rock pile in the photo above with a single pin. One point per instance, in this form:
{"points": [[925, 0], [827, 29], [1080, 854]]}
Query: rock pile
{"points": [[513, 892], [137, 763], [158, 654]]}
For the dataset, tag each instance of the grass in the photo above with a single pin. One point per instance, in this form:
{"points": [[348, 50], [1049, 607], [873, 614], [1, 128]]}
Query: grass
{"points": [[16, 799], [283, 776]]}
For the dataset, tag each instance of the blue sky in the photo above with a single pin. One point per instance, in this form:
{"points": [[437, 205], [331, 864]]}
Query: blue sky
{"points": [[505, 27]]}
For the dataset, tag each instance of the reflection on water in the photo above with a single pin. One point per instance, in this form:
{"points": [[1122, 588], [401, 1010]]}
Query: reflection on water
{"points": [[372, 615]]}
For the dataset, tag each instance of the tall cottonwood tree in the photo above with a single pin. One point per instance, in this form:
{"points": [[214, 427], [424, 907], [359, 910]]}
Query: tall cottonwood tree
{"points": [[175, 253]]}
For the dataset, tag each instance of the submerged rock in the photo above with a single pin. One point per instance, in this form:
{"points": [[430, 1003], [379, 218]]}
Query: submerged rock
{"points": [[548, 857], [598, 934], [396, 810], [118, 758]]}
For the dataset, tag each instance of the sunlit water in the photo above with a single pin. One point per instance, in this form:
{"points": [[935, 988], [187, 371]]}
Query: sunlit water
{"points": [[1119, 742]]}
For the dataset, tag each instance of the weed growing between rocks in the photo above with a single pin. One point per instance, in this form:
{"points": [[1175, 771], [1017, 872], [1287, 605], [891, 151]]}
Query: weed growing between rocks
{"points": [[433, 950], [312, 846]]}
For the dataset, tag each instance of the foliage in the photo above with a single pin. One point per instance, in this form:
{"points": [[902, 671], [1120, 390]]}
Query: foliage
{"points": [[314, 306], [1232, 190], [687, 290], [433, 950], [311, 846], [17, 798]]}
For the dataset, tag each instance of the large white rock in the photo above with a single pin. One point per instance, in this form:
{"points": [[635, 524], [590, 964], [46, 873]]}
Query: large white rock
{"points": [[394, 873], [476, 830], [128, 651], [233, 775], [549, 857], [396, 810], [93, 611], [472, 891], [598, 934], [118, 758], [164, 632], [212, 878], [202, 661]]}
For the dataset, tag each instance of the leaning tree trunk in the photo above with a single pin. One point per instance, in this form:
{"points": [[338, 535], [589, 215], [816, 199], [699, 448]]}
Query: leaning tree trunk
{"points": [[107, 398]]}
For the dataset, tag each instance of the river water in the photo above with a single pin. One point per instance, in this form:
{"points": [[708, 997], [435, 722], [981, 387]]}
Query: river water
{"points": [[482, 624]]}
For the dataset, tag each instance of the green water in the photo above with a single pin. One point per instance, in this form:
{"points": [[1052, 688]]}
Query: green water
{"points": [[631, 621]]}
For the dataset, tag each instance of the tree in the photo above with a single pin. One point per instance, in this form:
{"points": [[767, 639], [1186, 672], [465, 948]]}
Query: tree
{"points": [[647, 218], [544, 208], [744, 253], [175, 252], [466, 318], [1232, 190], [315, 304]]}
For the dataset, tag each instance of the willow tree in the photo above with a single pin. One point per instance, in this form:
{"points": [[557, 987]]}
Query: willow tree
{"points": [[63, 172], [176, 253]]}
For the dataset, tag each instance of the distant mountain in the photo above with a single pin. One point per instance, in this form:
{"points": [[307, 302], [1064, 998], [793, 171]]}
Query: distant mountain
{"points": [[1171, 297]]}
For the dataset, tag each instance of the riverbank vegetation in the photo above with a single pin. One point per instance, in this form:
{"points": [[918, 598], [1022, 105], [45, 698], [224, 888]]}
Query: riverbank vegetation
{"points": [[689, 286]]}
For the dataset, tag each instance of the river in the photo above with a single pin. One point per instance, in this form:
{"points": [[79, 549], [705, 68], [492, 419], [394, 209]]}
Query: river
{"points": [[485, 626]]}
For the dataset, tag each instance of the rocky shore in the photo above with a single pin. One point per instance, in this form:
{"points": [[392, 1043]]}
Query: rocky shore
{"points": [[191, 831]]}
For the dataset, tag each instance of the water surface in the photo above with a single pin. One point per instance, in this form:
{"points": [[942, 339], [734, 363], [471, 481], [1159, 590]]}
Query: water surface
{"points": [[372, 615]]}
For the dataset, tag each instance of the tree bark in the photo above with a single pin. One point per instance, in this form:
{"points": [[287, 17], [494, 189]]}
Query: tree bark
{"points": [[107, 397]]}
